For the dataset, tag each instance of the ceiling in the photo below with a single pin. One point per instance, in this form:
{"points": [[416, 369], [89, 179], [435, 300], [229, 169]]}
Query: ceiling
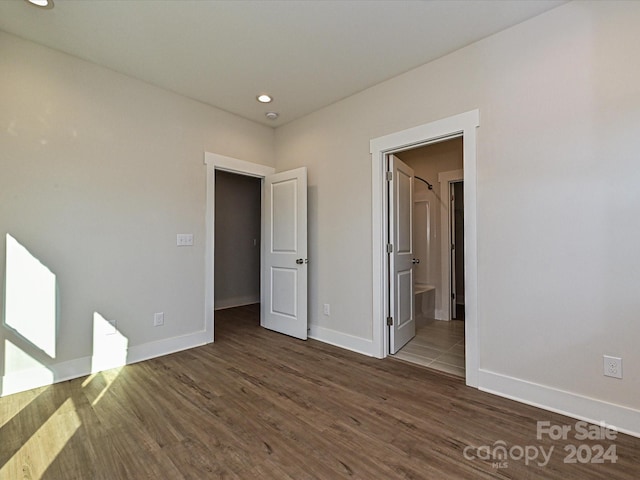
{"points": [[306, 54]]}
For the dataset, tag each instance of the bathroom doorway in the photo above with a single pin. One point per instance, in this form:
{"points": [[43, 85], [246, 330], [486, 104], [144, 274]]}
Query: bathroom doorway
{"points": [[463, 125], [438, 247]]}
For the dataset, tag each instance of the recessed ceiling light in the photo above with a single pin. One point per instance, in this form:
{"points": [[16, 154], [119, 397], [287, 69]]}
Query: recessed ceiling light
{"points": [[272, 115], [41, 3], [264, 98]]}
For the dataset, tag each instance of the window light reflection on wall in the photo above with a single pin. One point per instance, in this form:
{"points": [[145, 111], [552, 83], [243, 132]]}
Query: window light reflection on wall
{"points": [[30, 298]]}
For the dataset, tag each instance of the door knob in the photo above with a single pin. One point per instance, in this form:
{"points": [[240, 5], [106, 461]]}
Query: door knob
{"points": [[415, 260], [300, 261]]}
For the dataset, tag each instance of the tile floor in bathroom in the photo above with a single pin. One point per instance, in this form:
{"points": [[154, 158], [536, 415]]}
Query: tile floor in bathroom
{"points": [[438, 345]]}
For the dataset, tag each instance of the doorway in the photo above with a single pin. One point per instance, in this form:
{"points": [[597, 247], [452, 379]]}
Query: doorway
{"points": [[283, 245], [463, 125], [438, 273], [237, 240], [219, 163]]}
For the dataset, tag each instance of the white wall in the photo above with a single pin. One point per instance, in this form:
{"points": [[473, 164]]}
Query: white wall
{"points": [[557, 199], [98, 173]]}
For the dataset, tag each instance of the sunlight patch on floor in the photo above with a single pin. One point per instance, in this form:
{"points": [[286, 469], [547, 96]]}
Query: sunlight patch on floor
{"points": [[55, 433], [107, 378]]}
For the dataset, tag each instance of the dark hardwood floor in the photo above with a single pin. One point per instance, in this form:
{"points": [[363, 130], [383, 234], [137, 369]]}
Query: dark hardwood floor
{"points": [[259, 405]]}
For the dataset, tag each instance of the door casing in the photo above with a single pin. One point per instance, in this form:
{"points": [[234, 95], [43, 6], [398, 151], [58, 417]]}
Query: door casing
{"points": [[215, 162], [464, 125], [446, 179]]}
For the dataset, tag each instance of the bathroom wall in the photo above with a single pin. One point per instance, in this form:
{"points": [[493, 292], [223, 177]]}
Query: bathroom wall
{"points": [[427, 162]]}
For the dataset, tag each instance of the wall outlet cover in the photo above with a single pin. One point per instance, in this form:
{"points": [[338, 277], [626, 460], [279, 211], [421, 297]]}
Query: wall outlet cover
{"points": [[612, 366], [158, 319]]}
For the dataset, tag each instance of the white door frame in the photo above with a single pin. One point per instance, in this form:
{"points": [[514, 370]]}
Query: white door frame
{"points": [[445, 179], [220, 162], [464, 124]]}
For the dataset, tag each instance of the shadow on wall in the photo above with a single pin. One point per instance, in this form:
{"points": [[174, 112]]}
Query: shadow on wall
{"points": [[31, 321]]}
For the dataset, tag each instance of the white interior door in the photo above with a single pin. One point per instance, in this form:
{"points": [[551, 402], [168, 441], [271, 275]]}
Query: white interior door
{"points": [[401, 258], [284, 263]]}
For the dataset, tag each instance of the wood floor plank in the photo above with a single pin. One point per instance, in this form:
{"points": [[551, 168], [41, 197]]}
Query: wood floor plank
{"points": [[256, 404]]}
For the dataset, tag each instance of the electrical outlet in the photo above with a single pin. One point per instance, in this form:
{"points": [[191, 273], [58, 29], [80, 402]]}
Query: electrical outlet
{"points": [[612, 366], [158, 319], [184, 239], [326, 309]]}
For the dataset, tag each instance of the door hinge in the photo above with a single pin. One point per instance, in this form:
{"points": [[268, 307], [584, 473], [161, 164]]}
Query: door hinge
{"points": [[453, 246], [453, 296], [389, 248], [389, 321], [389, 176]]}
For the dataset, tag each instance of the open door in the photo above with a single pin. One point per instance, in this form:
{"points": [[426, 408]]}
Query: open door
{"points": [[401, 257], [284, 263]]}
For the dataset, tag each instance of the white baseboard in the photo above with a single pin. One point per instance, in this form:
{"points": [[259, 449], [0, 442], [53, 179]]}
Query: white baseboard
{"points": [[23, 380], [146, 351], [342, 340], [624, 419], [236, 301]]}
